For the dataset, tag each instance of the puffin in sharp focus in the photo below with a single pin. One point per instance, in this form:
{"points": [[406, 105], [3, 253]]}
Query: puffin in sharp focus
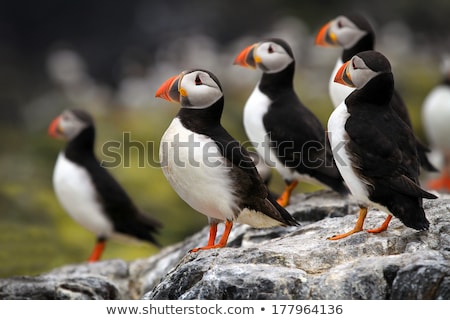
{"points": [[88, 192], [209, 170], [436, 120], [376, 148], [286, 134], [354, 33]]}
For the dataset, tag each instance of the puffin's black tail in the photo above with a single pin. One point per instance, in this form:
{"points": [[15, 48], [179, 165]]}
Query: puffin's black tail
{"points": [[411, 213], [141, 227], [285, 216]]}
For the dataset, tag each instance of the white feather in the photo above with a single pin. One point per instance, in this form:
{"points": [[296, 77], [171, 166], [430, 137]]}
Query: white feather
{"points": [[77, 195], [436, 117], [200, 176], [197, 171]]}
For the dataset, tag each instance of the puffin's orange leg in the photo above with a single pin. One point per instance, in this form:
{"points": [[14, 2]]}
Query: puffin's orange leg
{"points": [[358, 226], [283, 200], [223, 240], [212, 234], [383, 227], [98, 250]]}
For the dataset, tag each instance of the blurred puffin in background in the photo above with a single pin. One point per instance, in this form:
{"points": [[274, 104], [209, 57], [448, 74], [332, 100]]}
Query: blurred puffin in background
{"points": [[436, 122], [88, 192]]}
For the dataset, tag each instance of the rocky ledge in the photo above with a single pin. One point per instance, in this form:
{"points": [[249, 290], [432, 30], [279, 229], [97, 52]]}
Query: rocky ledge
{"points": [[278, 263]]}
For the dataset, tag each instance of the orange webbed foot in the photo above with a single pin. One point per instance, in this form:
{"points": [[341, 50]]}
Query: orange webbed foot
{"points": [[383, 227], [358, 226]]}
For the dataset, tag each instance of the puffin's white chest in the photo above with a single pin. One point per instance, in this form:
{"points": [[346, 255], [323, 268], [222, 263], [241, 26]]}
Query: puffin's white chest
{"points": [[436, 117], [338, 92], [338, 140], [78, 197], [195, 168], [255, 108]]}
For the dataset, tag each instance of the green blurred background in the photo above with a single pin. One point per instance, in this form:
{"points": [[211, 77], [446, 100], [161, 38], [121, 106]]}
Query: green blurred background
{"points": [[108, 57]]}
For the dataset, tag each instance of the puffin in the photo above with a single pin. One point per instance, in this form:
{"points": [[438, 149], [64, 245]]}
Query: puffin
{"points": [[354, 33], [88, 192], [210, 170], [436, 119], [376, 149], [285, 133]]}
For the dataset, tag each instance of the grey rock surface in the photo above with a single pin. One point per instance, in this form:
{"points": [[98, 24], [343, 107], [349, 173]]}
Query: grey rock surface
{"points": [[277, 263]]}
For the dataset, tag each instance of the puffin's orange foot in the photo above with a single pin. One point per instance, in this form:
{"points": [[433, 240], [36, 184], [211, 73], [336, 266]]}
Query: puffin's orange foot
{"points": [[344, 235], [216, 246], [283, 200], [358, 225], [441, 183], [383, 227]]}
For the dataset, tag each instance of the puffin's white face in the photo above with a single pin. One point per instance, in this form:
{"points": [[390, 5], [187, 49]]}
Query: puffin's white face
{"points": [[346, 32], [359, 72], [70, 125], [198, 90], [271, 57]]}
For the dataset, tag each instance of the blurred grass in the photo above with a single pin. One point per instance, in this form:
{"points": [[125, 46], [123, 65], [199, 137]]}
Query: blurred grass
{"points": [[36, 235]]}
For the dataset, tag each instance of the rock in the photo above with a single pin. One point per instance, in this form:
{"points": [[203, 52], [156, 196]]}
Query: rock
{"points": [[102, 280], [277, 263]]}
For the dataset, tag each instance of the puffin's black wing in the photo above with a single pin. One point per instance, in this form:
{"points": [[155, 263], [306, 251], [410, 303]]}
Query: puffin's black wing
{"points": [[126, 217], [383, 148], [250, 188], [399, 107], [300, 142]]}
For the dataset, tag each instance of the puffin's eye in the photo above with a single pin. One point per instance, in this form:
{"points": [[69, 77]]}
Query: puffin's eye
{"points": [[354, 65], [270, 50], [198, 81], [339, 24]]}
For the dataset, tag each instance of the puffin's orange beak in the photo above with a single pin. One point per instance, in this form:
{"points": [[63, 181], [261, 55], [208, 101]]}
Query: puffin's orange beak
{"points": [[246, 57], [54, 129], [343, 75], [169, 90], [325, 38]]}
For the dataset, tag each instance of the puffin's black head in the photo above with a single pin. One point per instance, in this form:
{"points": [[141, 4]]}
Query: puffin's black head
{"points": [[194, 89], [363, 67], [69, 124], [360, 21], [346, 31], [271, 56]]}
